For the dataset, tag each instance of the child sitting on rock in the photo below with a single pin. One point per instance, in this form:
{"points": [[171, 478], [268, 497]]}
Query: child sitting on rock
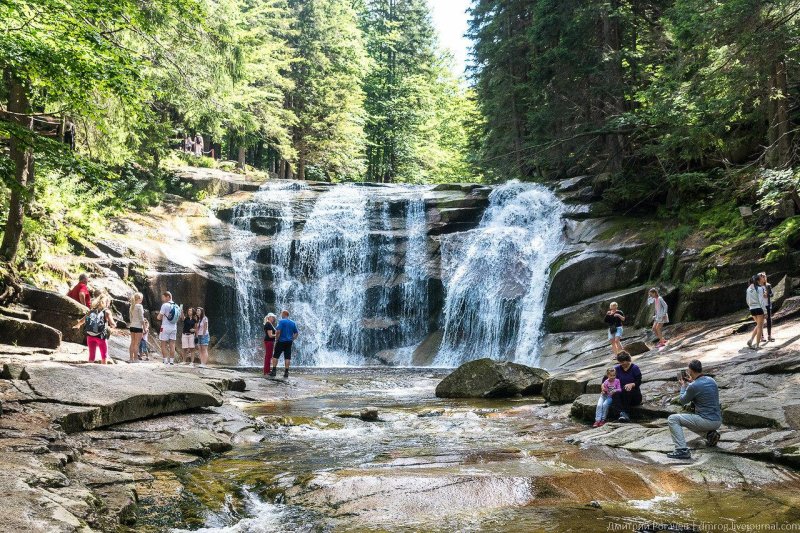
{"points": [[609, 387]]}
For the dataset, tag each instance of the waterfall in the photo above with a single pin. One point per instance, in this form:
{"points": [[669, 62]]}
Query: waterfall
{"points": [[333, 260], [496, 277], [354, 264]]}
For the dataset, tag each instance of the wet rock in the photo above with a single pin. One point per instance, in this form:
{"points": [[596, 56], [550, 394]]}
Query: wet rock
{"points": [[485, 378], [200, 442], [430, 413], [28, 333], [563, 389], [369, 414], [56, 310], [93, 396], [426, 352]]}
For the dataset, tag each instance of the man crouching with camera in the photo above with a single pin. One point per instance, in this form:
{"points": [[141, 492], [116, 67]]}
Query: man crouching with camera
{"points": [[707, 417]]}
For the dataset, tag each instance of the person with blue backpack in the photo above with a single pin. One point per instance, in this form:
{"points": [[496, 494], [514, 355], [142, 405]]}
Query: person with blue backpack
{"points": [[169, 314]]}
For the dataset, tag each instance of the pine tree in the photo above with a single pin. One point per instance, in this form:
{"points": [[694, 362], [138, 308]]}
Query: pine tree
{"points": [[328, 97]]}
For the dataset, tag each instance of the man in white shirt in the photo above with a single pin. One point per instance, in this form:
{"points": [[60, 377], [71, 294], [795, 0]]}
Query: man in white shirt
{"points": [[169, 329]]}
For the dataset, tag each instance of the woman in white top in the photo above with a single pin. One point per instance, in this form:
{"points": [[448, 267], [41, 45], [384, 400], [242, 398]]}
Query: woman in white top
{"points": [[757, 306], [136, 326]]}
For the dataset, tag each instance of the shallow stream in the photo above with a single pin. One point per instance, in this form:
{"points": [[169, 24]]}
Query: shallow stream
{"points": [[445, 465]]}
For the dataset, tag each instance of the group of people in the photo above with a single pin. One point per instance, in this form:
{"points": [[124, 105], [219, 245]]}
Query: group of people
{"points": [[759, 301], [193, 145], [99, 321], [620, 391], [615, 320], [279, 337], [620, 388]]}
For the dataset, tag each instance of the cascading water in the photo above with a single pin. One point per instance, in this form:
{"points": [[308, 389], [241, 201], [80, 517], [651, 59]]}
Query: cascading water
{"points": [[332, 260], [353, 264], [496, 277]]}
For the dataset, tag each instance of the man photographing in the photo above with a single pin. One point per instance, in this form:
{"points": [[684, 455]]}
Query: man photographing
{"points": [[707, 417]]}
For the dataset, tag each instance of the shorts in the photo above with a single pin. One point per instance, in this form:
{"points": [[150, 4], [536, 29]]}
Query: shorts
{"points": [[757, 312], [135, 330], [142, 346], [203, 340], [283, 347], [617, 333], [187, 340], [168, 335]]}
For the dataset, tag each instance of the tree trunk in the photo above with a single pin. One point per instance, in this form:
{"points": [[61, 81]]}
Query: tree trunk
{"points": [[22, 158], [615, 102], [779, 153], [241, 158]]}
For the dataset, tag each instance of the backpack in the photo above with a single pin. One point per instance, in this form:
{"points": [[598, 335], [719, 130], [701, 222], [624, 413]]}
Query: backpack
{"points": [[174, 313], [95, 325]]}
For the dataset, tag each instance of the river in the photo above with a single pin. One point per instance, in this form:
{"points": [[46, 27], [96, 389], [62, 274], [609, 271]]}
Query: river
{"points": [[456, 465]]}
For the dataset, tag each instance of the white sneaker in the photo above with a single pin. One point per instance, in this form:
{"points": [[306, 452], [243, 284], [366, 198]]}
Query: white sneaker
{"points": [[201, 366]]}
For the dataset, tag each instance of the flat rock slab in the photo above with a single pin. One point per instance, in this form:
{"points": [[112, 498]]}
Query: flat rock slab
{"points": [[92, 396]]}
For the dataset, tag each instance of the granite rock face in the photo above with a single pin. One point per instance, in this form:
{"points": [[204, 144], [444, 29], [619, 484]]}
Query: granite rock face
{"points": [[485, 378]]}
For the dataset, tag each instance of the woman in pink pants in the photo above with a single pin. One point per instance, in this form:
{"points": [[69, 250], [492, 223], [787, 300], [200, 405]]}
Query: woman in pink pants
{"points": [[97, 324]]}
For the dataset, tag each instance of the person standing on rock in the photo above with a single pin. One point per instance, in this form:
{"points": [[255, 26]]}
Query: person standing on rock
{"points": [[203, 337], [756, 304], [661, 316], [287, 332], [767, 294], [707, 418], [269, 340], [169, 315], [136, 326], [198, 145], [97, 325], [188, 337], [615, 318], [80, 292], [630, 378]]}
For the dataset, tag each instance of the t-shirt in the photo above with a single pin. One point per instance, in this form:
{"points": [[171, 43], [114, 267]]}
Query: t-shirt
{"points": [[188, 325], [287, 328], [632, 375], [613, 320], [79, 289], [610, 385], [268, 327], [705, 394], [166, 325]]}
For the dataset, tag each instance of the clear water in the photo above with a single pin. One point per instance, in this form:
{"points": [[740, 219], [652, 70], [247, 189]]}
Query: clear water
{"points": [[453, 465], [352, 264]]}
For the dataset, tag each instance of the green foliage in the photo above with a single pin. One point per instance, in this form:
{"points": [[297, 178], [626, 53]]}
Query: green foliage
{"points": [[774, 186], [782, 238]]}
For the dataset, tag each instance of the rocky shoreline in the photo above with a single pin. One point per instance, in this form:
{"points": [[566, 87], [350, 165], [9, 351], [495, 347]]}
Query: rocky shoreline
{"points": [[96, 447]]}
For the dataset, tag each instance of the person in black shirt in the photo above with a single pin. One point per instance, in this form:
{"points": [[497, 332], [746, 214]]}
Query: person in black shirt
{"points": [[768, 297], [615, 318], [269, 340], [187, 339]]}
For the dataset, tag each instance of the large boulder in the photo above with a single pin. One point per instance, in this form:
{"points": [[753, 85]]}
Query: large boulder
{"points": [[86, 397], [28, 333], [711, 301], [485, 378], [563, 389], [589, 274], [588, 314], [58, 311]]}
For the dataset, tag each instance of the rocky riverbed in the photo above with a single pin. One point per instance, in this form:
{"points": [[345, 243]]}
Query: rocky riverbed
{"points": [[151, 448]]}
